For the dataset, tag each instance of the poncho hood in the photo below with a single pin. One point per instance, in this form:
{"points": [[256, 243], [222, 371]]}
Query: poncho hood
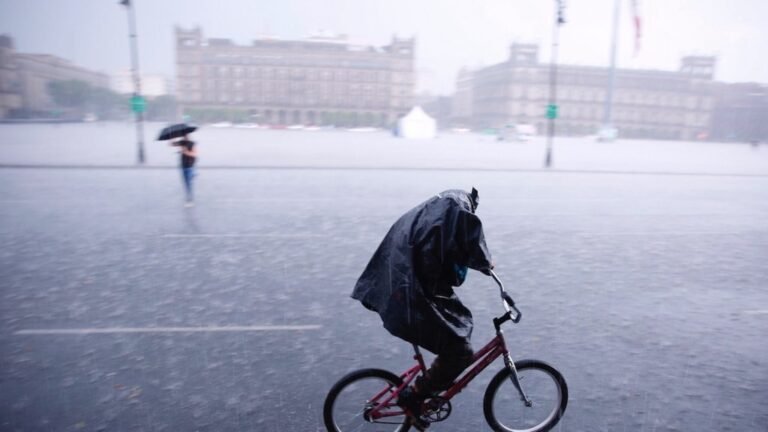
{"points": [[409, 280]]}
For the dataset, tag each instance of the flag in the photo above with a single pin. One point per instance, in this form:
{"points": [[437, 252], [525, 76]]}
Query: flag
{"points": [[636, 19]]}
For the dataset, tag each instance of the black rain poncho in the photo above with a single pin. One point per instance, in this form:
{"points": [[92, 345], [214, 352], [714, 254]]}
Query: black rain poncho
{"points": [[409, 280]]}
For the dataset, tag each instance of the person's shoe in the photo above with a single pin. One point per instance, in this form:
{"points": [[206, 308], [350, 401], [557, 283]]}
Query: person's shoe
{"points": [[409, 399], [412, 401]]}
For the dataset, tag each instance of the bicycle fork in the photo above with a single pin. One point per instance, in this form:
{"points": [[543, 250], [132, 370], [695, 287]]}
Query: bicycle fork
{"points": [[516, 380]]}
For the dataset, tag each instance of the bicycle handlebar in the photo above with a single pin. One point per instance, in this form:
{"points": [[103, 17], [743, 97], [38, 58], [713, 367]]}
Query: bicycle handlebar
{"points": [[508, 302]]}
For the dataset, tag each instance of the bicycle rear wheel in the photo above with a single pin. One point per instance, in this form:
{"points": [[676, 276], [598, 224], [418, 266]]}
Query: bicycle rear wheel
{"points": [[504, 409], [350, 401]]}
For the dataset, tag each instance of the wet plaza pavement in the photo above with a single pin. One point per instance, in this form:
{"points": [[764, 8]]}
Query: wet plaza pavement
{"points": [[646, 290]]}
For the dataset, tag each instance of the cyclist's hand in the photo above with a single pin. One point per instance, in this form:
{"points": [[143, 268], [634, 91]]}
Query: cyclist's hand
{"points": [[487, 271]]}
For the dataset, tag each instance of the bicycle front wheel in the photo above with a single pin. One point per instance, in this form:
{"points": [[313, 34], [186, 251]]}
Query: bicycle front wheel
{"points": [[506, 411], [350, 403]]}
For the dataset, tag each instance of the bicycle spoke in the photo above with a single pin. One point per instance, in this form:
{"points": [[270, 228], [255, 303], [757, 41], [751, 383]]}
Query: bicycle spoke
{"points": [[542, 390], [353, 404]]}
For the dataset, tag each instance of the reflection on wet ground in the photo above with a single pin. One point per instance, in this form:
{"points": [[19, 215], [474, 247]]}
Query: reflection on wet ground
{"points": [[646, 291]]}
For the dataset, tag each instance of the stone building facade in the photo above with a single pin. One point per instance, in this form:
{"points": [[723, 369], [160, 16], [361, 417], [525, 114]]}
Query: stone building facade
{"points": [[318, 81], [24, 80], [741, 112], [462, 101], [646, 103], [10, 86], [37, 70]]}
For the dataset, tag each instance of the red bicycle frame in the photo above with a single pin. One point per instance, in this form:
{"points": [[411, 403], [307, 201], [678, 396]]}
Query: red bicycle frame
{"points": [[385, 399], [384, 404]]}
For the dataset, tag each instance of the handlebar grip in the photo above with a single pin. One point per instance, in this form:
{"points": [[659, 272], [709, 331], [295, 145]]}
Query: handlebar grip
{"points": [[511, 304], [508, 299]]}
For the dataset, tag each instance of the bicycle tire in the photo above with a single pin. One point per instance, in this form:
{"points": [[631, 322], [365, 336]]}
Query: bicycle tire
{"points": [[383, 376], [543, 378]]}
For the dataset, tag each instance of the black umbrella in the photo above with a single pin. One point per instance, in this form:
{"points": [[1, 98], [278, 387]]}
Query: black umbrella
{"points": [[176, 131]]}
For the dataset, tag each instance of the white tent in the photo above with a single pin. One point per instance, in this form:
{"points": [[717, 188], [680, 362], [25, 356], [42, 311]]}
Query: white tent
{"points": [[417, 125]]}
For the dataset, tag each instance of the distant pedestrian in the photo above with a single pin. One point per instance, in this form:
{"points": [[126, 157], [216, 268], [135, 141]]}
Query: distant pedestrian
{"points": [[188, 157]]}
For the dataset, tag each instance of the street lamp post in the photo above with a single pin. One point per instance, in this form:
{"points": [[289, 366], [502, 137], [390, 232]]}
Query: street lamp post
{"points": [[137, 102], [552, 107]]}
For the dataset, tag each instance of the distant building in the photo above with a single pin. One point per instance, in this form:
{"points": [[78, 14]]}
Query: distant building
{"points": [[646, 103], [152, 85], [321, 80], [438, 107], [24, 80], [461, 108], [37, 70], [10, 84], [740, 113]]}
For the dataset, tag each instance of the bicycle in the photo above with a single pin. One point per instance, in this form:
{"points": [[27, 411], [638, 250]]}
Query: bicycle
{"points": [[525, 396]]}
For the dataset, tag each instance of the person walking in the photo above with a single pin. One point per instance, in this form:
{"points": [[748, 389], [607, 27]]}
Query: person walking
{"points": [[188, 158]]}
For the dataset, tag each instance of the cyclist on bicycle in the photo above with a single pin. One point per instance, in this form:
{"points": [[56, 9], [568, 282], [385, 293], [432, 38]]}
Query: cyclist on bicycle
{"points": [[410, 278]]}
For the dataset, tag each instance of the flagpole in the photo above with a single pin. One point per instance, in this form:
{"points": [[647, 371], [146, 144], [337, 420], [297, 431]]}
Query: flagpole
{"points": [[636, 20], [608, 108]]}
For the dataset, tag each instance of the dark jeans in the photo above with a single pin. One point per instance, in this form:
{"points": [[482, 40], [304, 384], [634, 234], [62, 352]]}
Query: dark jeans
{"points": [[188, 174], [448, 365]]}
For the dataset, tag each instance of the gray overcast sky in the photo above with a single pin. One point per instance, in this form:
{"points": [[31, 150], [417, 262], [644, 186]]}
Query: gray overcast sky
{"points": [[450, 33]]}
